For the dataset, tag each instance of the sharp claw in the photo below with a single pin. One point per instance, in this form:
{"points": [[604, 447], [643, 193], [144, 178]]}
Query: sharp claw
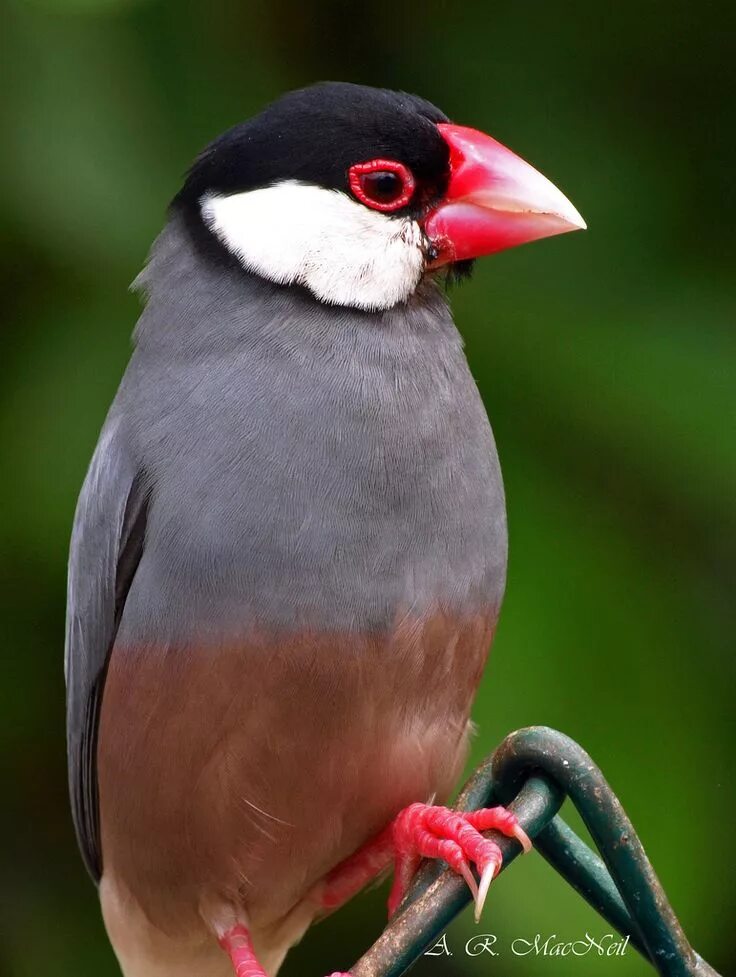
{"points": [[487, 876], [523, 838], [470, 879]]}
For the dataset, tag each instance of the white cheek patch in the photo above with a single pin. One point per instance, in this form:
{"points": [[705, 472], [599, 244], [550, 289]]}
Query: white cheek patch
{"points": [[343, 252]]}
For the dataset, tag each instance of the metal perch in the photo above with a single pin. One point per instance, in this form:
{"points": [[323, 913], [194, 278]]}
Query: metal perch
{"points": [[532, 772]]}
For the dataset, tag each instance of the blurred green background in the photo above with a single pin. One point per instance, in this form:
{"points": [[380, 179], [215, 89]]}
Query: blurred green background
{"points": [[607, 361]]}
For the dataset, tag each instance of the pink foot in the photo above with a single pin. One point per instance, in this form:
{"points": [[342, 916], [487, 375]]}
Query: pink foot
{"points": [[421, 831], [236, 942]]}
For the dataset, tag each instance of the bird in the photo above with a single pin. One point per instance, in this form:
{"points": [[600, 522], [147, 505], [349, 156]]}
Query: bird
{"points": [[289, 553]]}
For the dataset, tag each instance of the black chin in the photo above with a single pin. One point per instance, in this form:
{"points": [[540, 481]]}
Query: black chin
{"points": [[459, 271]]}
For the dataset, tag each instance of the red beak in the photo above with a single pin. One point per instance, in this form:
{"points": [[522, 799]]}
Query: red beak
{"points": [[494, 200]]}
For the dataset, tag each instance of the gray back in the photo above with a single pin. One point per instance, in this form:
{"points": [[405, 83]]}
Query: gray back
{"points": [[272, 464], [310, 466]]}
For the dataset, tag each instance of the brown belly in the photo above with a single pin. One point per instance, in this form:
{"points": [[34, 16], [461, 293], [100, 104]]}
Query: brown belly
{"points": [[244, 773]]}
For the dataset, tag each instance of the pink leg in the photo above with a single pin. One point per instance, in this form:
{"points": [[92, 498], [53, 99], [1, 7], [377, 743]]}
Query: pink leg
{"points": [[236, 942], [356, 871], [422, 831]]}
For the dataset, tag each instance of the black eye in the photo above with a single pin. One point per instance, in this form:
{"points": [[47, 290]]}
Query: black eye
{"points": [[381, 184]]}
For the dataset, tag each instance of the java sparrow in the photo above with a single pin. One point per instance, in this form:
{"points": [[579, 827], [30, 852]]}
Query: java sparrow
{"points": [[289, 553]]}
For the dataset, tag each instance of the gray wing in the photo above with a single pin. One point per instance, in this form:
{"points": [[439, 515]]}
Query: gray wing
{"points": [[106, 546]]}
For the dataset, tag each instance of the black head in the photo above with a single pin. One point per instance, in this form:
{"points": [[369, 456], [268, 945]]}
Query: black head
{"points": [[358, 193], [316, 134]]}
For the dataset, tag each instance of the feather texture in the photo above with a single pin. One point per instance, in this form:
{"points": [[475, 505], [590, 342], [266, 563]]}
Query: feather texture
{"points": [[306, 581]]}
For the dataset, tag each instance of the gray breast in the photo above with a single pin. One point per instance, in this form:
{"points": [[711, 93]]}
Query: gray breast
{"points": [[311, 467]]}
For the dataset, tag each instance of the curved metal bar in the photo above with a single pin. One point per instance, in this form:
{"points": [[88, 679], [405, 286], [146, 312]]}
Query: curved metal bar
{"points": [[561, 847], [524, 753], [531, 772], [587, 874]]}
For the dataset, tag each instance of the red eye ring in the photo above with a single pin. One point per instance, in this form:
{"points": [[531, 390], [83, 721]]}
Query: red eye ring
{"points": [[359, 176]]}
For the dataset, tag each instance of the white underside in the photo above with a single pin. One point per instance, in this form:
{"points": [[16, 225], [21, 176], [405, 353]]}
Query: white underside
{"points": [[144, 951], [298, 234]]}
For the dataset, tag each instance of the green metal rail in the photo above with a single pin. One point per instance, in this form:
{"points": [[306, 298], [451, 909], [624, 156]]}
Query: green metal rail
{"points": [[532, 772]]}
